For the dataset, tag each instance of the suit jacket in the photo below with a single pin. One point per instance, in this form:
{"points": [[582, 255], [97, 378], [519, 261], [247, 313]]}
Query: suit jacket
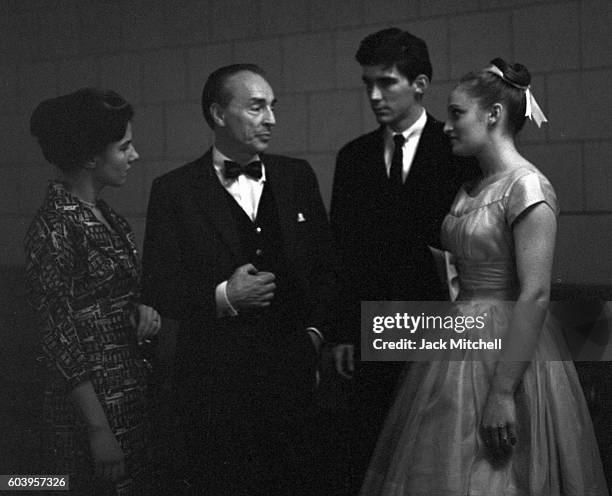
{"points": [[382, 242], [192, 244]]}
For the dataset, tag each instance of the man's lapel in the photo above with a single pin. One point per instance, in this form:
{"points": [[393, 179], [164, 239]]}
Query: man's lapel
{"points": [[213, 201], [280, 180], [376, 156]]}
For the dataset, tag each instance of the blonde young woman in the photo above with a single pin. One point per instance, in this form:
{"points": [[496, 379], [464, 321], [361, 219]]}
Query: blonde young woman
{"points": [[509, 424]]}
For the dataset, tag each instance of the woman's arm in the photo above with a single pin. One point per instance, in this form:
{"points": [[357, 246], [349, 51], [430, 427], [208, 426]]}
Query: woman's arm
{"points": [[534, 240], [51, 263], [108, 458]]}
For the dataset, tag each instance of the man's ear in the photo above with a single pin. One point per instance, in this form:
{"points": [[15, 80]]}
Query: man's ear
{"points": [[421, 83], [218, 114]]}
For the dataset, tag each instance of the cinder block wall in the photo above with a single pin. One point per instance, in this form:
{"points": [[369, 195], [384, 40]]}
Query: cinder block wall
{"points": [[158, 53]]}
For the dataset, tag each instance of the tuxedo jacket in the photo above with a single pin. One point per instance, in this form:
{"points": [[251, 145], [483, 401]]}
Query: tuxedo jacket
{"points": [[192, 244], [381, 238]]}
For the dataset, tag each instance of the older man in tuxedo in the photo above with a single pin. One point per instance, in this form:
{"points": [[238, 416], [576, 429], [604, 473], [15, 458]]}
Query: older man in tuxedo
{"points": [[237, 249]]}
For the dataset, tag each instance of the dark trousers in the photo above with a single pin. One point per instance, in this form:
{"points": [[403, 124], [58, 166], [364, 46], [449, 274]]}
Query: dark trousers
{"points": [[374, 389], [249, 443]]}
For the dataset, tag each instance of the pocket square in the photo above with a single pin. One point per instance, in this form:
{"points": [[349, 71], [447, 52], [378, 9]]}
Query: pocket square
{"points": [[300, 217]]}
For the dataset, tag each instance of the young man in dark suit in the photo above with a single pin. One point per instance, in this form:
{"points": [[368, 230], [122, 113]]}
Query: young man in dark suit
{"points": [[392, 189], [237, 250]]}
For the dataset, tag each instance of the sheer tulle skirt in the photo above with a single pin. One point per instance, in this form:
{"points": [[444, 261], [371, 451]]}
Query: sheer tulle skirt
{"points": [[430, 444]]}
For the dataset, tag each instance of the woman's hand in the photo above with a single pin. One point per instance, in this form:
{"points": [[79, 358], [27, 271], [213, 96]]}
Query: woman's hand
{"points": [[498, 428], [108, 457], [147, 322]]}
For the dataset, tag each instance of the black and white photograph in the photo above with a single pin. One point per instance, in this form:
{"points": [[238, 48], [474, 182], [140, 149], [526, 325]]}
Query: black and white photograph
{"points": [[306, 247]]}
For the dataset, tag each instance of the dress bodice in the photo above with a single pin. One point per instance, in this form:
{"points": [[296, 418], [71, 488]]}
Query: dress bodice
{"points": [[478, 230]]}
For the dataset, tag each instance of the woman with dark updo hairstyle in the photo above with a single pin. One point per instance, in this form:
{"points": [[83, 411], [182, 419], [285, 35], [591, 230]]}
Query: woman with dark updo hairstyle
{"points": [[83, 277], [482, 421]]}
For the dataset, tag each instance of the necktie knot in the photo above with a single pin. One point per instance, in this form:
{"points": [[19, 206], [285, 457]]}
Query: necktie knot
{"points": [[232, 169], [399, 140]]}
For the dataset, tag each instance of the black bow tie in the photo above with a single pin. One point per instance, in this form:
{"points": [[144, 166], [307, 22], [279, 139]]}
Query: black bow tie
{"points": [[233, 170]]}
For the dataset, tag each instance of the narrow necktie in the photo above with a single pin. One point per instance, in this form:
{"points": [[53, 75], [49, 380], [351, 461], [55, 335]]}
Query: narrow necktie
{"points": [[232, 170], [397, 162]]}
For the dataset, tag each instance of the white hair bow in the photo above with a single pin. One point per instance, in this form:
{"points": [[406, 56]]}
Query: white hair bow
{"points": [[532, 109]]}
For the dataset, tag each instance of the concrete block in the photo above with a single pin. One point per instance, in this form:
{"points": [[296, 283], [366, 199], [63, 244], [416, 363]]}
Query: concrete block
{"points": [[17, 146], [164, 76], [435, 33], [11, 242], [201, 62], [128, 199], [595, 20], [153, 169], [7, 7], [393, 11], [188, 22], [436, 99], [235, 19], [123, 73], [291, 130], [323, 164], [56, 32], [99, 27], [284, 16], [32, 186], [598, 175], [11, 202], [266, 54], [443, 7], [580, 105], [329, 14], [346, 43], [308, 63], [495, 4], [368, 121], [546, 36], [17, 41], [78, 73], [186, 132], [562, 165], [148, 132], [334, 120], [477, 39], [583, 249], [9, 89], [146, 26]]}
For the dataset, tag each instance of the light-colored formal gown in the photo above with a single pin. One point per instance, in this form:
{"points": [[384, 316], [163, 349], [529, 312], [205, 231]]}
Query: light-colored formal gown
{"points": [[431, 444]]}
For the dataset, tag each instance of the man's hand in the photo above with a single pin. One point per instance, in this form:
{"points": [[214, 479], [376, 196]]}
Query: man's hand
{"points": [[249, 289], [344, 359]]}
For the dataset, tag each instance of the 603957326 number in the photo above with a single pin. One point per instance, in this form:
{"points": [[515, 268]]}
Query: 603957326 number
{"points": [[34, 482]]}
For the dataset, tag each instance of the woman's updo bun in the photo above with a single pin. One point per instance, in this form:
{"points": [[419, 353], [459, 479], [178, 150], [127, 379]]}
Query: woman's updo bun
{"points": [[74, 128], [490, 88]]}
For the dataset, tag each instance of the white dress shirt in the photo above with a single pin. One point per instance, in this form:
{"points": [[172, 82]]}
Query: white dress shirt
{"points": [[247, 193], [412, 135], [244, 189]]}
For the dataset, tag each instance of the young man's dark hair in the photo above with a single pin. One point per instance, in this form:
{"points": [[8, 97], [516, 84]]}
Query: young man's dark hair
{"points": [[396, 47]]}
